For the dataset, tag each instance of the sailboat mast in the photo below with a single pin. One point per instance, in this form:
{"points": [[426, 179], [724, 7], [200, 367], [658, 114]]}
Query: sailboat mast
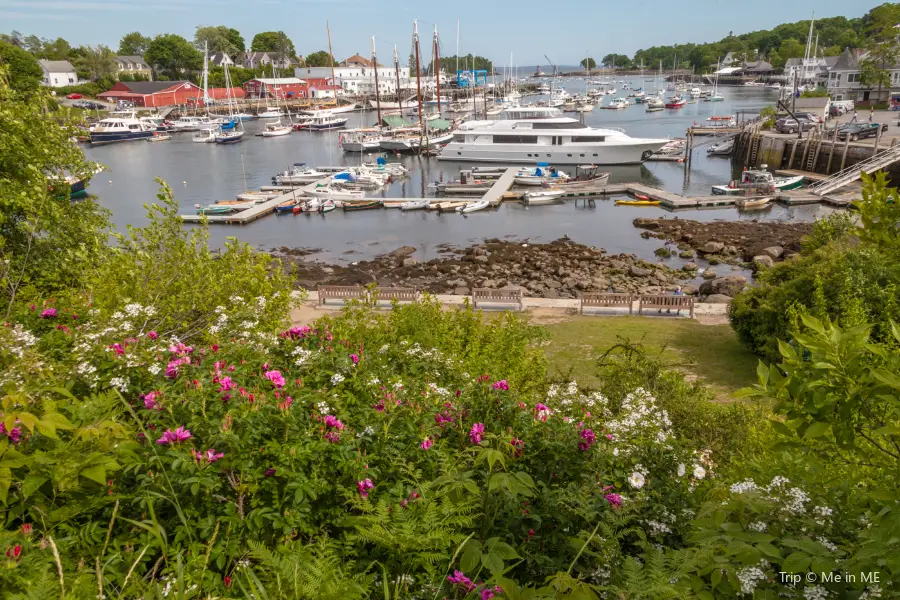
{"points": [[418, 75], [375, 66], [397, 70], [206, 76], [437, 69], [331, 62]]}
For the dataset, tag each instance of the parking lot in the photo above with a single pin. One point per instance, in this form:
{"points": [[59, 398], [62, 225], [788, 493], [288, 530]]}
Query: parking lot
{"points": [[880, 116]]}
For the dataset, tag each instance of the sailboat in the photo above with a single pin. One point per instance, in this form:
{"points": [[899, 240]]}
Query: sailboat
{"points": [[231, 132], [207, 135], [716, 96], [277, 128]]}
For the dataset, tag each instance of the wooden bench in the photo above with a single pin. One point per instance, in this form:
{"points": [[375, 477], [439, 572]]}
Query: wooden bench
{"points": [[497, 296], [667, 302], [399, 294], [606, 300], [341, 292]]}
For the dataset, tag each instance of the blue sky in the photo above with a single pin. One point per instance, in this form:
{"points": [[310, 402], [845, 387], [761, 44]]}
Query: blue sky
{"points": [[565, 30]]}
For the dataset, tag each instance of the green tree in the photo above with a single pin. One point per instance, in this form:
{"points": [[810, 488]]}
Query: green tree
{"points": [[317, 59], [776, 60], [134, 44], [21, 69], [58, 49], [791, 49], [220, 39], [98, 62], [881, 46], [276, 42], [46, 241], [173, 55], [588, 63], [618, 61]]}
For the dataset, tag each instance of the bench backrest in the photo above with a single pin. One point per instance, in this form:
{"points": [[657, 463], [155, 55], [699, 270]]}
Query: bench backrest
{"points": [[492, 295], [341, 291], [606, 299], [667, 301], [399, 294]]}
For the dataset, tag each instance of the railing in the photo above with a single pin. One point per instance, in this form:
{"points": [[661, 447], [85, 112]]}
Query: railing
{"points": [[854, 172]]}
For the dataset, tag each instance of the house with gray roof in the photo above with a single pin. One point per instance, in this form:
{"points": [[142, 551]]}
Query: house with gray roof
{"points": [[134, 65], [58, 73], [844, 80]]}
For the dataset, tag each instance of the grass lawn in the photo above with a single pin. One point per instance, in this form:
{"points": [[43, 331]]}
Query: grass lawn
{"points": [[709, 352]]}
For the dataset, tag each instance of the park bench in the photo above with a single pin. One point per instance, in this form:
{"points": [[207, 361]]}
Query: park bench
{"points": [[354, 292], [606, 300], [667, 302], [400, 294], [501, 296]]}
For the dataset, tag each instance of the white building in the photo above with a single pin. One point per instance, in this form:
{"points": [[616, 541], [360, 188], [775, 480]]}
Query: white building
{"points": [[58, 73], [808, 69], [358, 80]]}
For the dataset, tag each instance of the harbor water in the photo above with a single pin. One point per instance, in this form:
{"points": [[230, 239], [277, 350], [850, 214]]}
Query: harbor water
{"points": [[204, 173]]}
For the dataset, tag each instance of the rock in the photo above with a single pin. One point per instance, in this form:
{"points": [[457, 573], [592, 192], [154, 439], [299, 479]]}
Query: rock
{"points": [[690, 266], [646, 223], [489, 283], [663, 252], [773, 251], [660, 277], [637, 271], [402, 251], [646, 235], [582, 284], [481, 258], [687, 237], [618, 265], [410, 262], [730, 250], [686, 254], [479, 251], [553, 284], [709, 274], [763, 261], [327, 270], [461, 291], [562, 272], [689, 290], [712, 260], [730, 285], [717, 299], [712, 247]]}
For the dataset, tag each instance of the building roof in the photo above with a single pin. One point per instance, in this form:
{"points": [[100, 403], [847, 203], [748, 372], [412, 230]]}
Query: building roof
{"points": [[357, 60], [758, 66], [847, 61], [133, 59], [218, 57], [279, 81], [728, 71], [57, 66], [805, 103], [153, 87]]}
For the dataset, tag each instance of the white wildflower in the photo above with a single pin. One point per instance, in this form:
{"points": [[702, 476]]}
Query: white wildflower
{"points": [[872, 593], [125, 326], [85, 368], [816, 592], [336, 378], [699, 472], [615, 452], [749, 578], [824, 541], [374, 381], [758, 526], [134, 309], [117, 316], [214, 329], [636, 480], [573, 388], [748, 485], [119, 383], [681, 470], [154, 369], [302, 356], [383, 349], [323, 408], [260, 302], [367, 431], [657, 528]]}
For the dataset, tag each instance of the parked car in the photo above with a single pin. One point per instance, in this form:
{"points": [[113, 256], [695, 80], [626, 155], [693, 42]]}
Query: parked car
{"points": [[789, 125], [857, 131], [74, 96]]}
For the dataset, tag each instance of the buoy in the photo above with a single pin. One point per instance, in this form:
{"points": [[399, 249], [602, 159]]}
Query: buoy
{"points": [[184, 182], [110, 182]]}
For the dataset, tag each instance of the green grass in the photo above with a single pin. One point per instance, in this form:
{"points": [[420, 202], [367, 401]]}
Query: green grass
{"points": [[712, 353]]}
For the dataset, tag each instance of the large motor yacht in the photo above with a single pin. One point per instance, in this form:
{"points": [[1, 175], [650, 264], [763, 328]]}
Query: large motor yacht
{"points": [[121, 129], [561, 141]]}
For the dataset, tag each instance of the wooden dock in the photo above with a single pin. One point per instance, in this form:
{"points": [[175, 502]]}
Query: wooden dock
{"points": [[259, 210], [495, 194]]}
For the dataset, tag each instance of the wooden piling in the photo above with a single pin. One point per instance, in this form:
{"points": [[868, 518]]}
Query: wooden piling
{"points": [[831, 153], [844, 155], [877, 140], [794, 143]]}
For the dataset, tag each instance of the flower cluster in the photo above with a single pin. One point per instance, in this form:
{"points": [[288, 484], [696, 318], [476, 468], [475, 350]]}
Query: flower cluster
{"points": [[210, 456], [364, 486], [476, 432], [276, 378], [174, 437]]}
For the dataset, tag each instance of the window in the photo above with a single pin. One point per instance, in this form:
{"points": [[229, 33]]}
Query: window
{"points": [[515, 139], [589, 138], [458, 137], [572, 125], [852, 77]]}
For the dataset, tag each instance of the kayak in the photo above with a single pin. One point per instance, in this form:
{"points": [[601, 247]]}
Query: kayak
{"points": [[641, 197], [637, 202]]}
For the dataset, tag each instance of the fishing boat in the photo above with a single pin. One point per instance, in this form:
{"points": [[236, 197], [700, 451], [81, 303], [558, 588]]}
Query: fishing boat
{"points": [[544, 197], [158, 137], [361, 205], [322, 123], [541, 174], [299, 173], [675, 102], [655, 104], [758, 179], [616, 104], [753, 203], [205, 136], [471, 207], [637, 202], [721, 149], [419, 204]]}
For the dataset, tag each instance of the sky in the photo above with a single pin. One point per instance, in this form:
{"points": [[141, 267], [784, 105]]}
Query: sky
{"points": [[564, 30]]}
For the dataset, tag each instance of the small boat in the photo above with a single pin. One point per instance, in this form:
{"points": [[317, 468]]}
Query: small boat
{"points": [[641, 197], [675, 102], [299, 173], [333, 193], [362, 205], [312, 206], [753, 203], [270, 113], [223, 207], [471, 207], [231, 136], [758, 179], [546, 197], [159, 138], [276, 129], [258, 197], [422, 203], [287, 206], [541, 174], [327, 206], [722, 149], [716, 97], [637, 202], [205, 136]]}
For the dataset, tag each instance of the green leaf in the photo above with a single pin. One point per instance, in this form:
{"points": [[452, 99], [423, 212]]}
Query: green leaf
{"points": [[769, 550], [492, 562], [762, 371], [96, 473], [887, 378], [471, 556], [795, 563], [817, 429], [716, 577], [887, 430], [31, 484], [5, 481], [504, 551]]}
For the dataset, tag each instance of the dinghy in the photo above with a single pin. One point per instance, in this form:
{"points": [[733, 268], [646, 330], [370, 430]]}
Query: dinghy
{"points": [[547, 197], [473, 207]]}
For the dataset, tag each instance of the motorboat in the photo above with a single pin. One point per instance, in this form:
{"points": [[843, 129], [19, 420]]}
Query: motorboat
{"points": [[188, 123], [617, 104], [559, 141], [336, 193], [753, 203], [583, 108], [419, 204], [276, 129], [332, 110], [529, 112], [327, 206], [322, 123], [471, 207], [270, 113], [543, 197], [715, 97], [159, 137], [758, 179], [360, 140], [382, 166], [312, 205], [116, 129], [655, 104], [695, 92], [257, 196], [541, 174], [413, 141], [675, 102], [299, 173], [205, 136]]}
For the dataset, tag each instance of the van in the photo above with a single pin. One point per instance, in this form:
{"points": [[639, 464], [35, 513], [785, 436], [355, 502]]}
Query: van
{"points": [[843, 106]]}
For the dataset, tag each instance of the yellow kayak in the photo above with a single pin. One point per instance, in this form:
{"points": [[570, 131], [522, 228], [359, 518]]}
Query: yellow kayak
{"points": [[638, 202]]}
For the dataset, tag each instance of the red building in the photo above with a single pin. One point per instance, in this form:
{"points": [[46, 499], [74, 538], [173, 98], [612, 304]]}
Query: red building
{"points": [[156, 94], [284, 88]]}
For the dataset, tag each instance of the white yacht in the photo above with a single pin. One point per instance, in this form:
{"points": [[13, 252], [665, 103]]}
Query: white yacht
{"points": [[531, 112], [108, 131], [557, 140], [191, 123]]}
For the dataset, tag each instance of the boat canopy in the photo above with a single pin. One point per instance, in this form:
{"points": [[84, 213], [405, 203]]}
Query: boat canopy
{"points": [[380, 161], [543, 164], [538, 172], [301, 164], [230, 125], [345, 176]]}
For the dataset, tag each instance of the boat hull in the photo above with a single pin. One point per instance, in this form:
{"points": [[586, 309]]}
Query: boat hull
{"points": [[619, 154], [100, 138], [351, 205]]}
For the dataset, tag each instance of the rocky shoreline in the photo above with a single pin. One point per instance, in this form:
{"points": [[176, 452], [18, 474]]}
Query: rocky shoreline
{"points": [[564, 268]]}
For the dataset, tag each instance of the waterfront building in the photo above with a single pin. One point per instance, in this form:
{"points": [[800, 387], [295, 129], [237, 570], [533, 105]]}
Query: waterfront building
{"points": [[58, 73], [281, 87], [157, 94], [133, 65]]}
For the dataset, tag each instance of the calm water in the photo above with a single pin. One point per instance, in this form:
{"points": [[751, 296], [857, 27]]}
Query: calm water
{"points": [[202, 173]]}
